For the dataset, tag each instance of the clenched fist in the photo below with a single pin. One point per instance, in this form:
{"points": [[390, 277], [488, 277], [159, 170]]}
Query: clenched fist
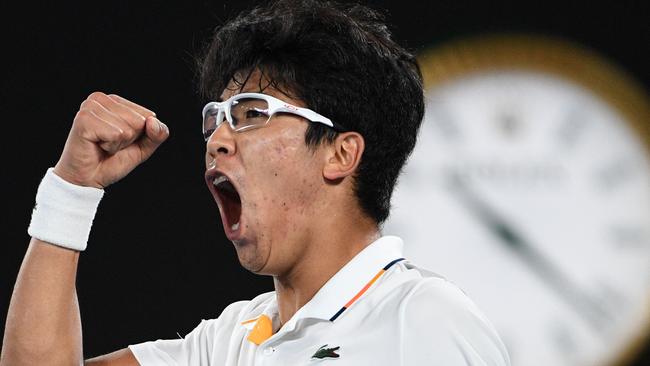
{"points": [[109, 137]]}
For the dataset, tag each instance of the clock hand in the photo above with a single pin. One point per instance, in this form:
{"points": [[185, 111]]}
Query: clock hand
{"points": [[591, 310]]}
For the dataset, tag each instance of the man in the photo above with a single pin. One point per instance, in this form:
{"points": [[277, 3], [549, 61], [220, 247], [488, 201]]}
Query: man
{"points": [[314, 110]]}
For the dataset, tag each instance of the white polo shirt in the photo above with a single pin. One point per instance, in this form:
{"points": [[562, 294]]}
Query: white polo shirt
{"points": [[377, 310]]}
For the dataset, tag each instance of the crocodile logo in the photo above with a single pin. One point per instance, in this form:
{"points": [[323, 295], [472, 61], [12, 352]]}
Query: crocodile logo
{"points": [[324, 352]]}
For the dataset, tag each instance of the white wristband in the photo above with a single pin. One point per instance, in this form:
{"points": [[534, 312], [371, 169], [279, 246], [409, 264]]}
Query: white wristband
{"points": [[64, 212]]}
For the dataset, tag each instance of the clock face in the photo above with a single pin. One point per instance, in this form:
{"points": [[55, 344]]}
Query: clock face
{"points": [[533, 195]]}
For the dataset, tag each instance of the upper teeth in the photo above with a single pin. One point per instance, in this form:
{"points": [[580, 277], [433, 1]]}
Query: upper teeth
{"points": [[220, 179]]}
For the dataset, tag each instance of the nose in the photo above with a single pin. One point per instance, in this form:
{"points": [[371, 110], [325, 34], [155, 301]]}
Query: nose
{"points": [[222, 142]]}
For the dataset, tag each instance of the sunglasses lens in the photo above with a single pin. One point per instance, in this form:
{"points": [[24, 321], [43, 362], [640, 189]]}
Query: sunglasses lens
{"points": [[210, 122], [249, 113]]}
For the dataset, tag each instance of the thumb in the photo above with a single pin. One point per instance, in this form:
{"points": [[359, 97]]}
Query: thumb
{"points": [[155, 134]]}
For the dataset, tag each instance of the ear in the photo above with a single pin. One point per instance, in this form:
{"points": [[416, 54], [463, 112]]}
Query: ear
{"points": [[343, 156]]}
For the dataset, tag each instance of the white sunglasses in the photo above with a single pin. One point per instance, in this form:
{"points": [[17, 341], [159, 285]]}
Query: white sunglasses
{"points": [[252, 110]]}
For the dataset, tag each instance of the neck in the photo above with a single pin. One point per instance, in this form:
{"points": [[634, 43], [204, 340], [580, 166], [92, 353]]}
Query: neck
{"points": [[331, 249]]}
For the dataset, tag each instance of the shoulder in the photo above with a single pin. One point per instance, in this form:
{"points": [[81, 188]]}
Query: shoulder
{"points": [[438, 296], [423, 288], [434, 311]]}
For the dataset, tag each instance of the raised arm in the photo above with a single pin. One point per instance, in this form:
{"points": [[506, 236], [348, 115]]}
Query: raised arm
{"points": [[109, 137]]}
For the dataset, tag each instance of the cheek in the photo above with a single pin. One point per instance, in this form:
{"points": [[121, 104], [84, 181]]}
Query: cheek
{"points": [[284, 173]]}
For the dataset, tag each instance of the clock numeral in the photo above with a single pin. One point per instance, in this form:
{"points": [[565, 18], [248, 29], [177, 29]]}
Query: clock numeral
{"points": [[611, 297], [563, 339], [571, 128], [613, 175], [509, 124], [630, 237], [444, 124]]}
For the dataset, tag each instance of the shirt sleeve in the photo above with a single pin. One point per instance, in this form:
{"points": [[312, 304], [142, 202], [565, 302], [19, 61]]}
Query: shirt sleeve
{"points": [[440, 325], [199, 347]]}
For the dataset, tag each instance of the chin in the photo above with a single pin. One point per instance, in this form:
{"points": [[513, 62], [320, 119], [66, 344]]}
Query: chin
{"points": [[248, 258]]}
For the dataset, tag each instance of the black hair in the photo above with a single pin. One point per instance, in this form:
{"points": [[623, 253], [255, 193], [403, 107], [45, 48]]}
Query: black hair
{"points": [[341, 61]]}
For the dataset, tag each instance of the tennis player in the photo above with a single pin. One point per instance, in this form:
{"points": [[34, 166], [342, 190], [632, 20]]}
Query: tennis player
{"points": [[312, 110]]}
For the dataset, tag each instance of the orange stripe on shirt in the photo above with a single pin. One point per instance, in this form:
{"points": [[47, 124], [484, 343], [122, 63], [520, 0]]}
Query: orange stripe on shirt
{"points": [[366, 287], [249, 320]]}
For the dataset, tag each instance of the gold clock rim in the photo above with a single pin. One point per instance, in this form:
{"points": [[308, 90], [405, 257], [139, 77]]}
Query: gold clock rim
{"points": [[553, 56], [557, 57]]}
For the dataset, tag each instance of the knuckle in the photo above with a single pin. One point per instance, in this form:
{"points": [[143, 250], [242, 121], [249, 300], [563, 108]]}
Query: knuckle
{"points": [[83, 114], [131, 119], [121, 134], [116, 134], [88, 104], [136, 120], [127, 134], [96, 95]]}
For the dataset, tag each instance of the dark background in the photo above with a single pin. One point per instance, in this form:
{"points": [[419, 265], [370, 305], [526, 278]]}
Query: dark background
{"points": [[158, 260]]}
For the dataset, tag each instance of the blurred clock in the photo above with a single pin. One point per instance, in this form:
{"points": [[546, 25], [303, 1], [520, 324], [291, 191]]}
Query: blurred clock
{"points": [[530, 189]]}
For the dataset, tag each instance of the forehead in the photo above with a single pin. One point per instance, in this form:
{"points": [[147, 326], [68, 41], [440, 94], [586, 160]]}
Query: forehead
{"points": [[256, 82]]}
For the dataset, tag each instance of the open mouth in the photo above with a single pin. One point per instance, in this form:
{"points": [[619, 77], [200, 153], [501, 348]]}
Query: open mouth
{"points": [[230, 202]]}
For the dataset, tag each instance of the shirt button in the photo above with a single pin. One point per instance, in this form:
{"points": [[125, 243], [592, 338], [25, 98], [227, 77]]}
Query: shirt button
{"points": [[269, 351]]}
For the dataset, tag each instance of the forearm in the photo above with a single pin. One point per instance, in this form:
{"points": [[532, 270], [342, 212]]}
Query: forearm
{"points": [[43, 324], [110, 136]]}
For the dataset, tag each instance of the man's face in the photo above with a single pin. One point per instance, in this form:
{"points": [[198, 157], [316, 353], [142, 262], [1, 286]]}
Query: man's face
{"points": [[277, 179]]}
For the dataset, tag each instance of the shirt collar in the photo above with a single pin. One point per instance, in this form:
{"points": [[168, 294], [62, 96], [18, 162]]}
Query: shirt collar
{"points": [[338, 293], [351, 279]]}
